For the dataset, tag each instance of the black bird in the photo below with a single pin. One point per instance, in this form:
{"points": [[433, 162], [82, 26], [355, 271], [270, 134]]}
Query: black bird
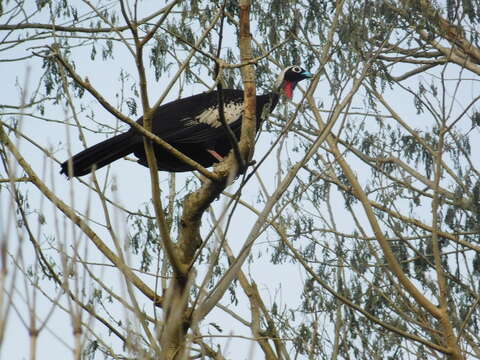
{"points": [[191, 125]]}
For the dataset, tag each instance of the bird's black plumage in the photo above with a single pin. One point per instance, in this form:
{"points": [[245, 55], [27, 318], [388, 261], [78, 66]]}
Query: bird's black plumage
{"points": [[191, 125]]}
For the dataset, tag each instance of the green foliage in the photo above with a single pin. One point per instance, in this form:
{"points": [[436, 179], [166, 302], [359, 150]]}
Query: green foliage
{"points": [[90, 350], [145, 239]]}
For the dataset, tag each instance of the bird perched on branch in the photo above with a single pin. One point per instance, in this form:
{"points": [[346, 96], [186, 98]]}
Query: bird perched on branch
{"points": [[191, 125]]}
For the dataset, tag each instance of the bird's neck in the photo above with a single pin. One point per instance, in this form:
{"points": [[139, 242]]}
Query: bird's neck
{"points": [[284, 88]]}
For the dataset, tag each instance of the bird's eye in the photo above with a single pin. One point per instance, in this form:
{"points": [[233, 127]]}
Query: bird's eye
{"points": [[297, 69]]}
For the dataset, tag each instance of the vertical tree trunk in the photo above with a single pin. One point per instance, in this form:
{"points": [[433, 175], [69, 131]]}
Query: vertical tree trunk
{"points": [[248, 77]]}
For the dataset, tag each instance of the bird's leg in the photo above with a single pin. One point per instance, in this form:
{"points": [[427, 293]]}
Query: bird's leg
{"points": [[215, 155]]}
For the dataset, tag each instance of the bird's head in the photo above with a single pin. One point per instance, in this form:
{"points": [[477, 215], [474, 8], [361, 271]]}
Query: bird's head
{"points": [[288, 79]]}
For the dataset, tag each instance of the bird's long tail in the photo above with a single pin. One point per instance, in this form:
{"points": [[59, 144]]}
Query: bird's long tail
{"points": [[99, 155]]}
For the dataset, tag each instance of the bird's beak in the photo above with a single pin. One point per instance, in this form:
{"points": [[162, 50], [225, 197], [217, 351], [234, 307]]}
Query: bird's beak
{"points": [[306, 75]]}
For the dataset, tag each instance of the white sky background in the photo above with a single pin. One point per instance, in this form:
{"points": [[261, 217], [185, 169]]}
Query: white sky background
{"points": [[283, 283]]}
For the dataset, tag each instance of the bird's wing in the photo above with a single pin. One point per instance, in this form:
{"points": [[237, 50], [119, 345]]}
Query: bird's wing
{"points": [[206, 125], [196, 119]]}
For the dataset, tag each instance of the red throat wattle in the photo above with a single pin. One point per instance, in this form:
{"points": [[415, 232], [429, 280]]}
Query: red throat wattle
{"points": [[288, 88]]}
